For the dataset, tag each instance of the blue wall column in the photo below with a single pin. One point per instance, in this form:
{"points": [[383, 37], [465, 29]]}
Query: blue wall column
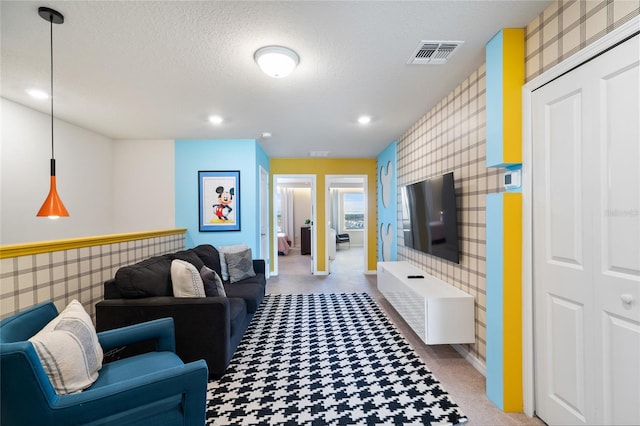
{"points": [[387, 177]]}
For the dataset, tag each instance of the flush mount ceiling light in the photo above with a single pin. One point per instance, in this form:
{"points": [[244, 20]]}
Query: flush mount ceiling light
{"points": [[53, 207], [216, 119], [276, 61], [364, 119]]}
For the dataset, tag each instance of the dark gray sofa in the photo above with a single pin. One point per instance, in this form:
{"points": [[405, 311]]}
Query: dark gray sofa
{"points": [[208, 328]]}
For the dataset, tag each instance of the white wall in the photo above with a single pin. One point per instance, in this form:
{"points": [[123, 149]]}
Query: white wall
{"points": [[83, 173], [144, 182], [301, 210]]}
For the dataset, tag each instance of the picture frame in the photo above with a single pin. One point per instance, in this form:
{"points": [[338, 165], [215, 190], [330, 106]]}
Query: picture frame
{"points": [[219, 200]]}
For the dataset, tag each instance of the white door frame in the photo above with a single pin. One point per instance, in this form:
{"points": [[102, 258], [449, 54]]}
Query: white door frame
{"points": [[608, 41], [329, 179], [314, 250], [264, 204]]}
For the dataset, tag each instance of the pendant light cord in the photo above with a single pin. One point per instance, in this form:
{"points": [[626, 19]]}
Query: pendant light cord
{"points": [[51, 74]]}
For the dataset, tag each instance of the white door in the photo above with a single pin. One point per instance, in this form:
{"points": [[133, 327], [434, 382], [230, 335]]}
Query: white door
{"points": [[264, 220], [586, 226]]}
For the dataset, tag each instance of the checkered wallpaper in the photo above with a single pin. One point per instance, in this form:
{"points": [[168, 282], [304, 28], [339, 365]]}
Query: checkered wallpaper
{"points": [[565, 27], [78, 273], [451, 137]]}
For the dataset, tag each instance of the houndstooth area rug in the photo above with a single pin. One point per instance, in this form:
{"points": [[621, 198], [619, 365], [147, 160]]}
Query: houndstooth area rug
{"points": [[326, 359]]}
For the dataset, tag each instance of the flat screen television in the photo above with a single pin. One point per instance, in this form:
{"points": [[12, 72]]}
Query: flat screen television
{"points": [[430, 217]]}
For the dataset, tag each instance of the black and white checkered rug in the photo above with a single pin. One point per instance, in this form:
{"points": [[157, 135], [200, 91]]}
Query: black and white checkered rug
{"points": [[326, 359]]}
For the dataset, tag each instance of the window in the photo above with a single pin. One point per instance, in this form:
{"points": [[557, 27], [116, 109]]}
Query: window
{"points": [[353, 210]]}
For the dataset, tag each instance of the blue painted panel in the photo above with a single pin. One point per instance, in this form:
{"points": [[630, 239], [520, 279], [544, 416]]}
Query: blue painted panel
{"points": [[494, 112], [494, 279], [387, 231], [194, 155]]}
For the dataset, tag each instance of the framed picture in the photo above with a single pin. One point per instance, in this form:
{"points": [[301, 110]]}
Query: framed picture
{"points": [[219, 200]]}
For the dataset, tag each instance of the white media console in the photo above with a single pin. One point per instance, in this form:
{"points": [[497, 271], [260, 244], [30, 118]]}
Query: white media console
{"points": [[438, 312]]}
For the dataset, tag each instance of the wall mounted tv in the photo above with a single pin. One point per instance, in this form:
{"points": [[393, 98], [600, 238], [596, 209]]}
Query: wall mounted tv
{"points": [[430, 218]]}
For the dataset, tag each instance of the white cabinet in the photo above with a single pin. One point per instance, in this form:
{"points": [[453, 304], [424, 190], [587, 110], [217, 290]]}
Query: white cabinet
{"points": [[438, 312]]}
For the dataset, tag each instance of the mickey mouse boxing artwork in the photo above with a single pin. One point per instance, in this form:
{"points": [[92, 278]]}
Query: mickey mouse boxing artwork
{"points": [[223, 208], [219, 206]]}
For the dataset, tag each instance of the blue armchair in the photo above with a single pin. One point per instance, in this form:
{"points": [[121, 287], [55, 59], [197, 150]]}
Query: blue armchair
{"points": [[154, 388]]}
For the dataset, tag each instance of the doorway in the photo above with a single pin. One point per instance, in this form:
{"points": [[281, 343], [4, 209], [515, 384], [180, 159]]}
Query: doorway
{"points": [[347, 216], [294, 215]]}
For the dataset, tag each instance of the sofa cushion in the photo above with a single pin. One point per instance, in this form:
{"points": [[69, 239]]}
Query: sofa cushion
{"points": [[210, 256], [240, 265], [237, 315], [186, 279], [189, 256], [212, 282], [69, 350], [251, 290], [149, 278]]}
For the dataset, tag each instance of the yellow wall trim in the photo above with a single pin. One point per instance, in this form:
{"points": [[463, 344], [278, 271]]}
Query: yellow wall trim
{"points": [[513, 79], [512, 297], [16, 250]]}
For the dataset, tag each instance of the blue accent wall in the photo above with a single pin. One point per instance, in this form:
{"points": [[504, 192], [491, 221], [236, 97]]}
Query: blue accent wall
{"points": [[387, 168], [495, 291], [244, 155]]}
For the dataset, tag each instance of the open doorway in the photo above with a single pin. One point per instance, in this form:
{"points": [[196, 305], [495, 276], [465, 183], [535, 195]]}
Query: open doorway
{"points": [[293, 211], [346, 210]]}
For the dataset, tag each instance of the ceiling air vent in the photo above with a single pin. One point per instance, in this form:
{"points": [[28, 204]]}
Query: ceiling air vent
{"points": [[434, 52]]}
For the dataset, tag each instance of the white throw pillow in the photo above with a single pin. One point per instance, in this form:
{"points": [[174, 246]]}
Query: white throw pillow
{"points": [[223, 262], [186, 280], [69, 350]]}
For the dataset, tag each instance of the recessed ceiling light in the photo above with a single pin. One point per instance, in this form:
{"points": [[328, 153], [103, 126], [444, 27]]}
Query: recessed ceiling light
{"points": [[38, 94], [216, 119], [276, 61], [364, 119], [266, 135]]}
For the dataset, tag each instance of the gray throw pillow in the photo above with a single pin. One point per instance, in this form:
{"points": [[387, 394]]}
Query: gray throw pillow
{"points": [[240, 265], [212, 283]]}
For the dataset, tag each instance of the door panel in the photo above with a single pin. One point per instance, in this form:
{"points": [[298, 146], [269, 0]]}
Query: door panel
{"points": [[566, 373], [564, 176], [619, 113], [621, 388], [617, 277], [562, 299]]}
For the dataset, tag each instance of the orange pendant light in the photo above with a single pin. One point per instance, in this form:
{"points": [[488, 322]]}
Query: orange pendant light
{"points": [[53, 206]]}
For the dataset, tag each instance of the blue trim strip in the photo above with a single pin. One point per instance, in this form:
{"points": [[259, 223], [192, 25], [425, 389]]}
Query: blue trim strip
{"points": [[495, 299], [494, 101]]}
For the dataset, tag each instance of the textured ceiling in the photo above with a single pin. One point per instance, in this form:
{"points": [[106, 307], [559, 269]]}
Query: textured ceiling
{"points": [[158, 69]]}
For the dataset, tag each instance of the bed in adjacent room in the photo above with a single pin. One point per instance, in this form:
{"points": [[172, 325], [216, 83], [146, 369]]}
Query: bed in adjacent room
{"points": [[283, 244]]}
